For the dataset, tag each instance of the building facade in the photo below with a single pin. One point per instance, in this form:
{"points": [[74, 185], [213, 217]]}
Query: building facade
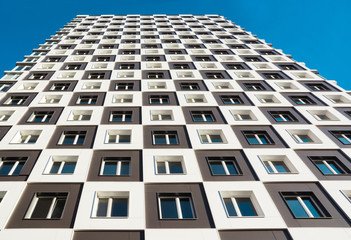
{"points": [[171, 127]]}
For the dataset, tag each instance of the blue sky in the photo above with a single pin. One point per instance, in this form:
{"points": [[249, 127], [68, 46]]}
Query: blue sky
{"points": [[315, 32]]}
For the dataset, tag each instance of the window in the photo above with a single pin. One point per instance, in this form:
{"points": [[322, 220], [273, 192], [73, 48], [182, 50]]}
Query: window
{"points": [[41, 116], [214, 75], [202, 116], [317, 87], [237, 66], [181, 66], [273, 76], [112, 204], [96, 76], [276, 166], [5, 86], [242, 116], [254, 87], [62, 164], [231, 99], [161, 115], [91, 85], [119, 136], [60, 87], [343, 136], [73, 67], [16, 100], [257, 137], [47, 205], [79, 115], [89, 100], [283, 116], [169, 165], [127, 66], [124, 86], [304, 205], [189, 86], [165, 138], [220, 166], [121, 116], [38, 76], [176, 206], [119, 166], [289, 67], [11, 165], [253, 59], [302, 138], [237, 206], [72, 138], [302, 100], [159, 99], [155, 75], [152, 59], [196, 98], [26, 136], [5, 115], [103, 59], [122, 98], [203, 59], [330, 165]]}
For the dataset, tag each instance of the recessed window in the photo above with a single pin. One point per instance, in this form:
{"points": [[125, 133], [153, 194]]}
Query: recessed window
{"points": [[211, 136], [91, 85], [11, 166], [16, 100], [276, 164], [80, 115], [169, 165], [283, 116], [41, 116], [47, 205], [273, 76], [96, 76], [5, 86], [159, 99], [124, 86], [302, 100], [238, 204], [115, 166], [304, 136], [231, 99], [257, 137], [37, 76], [181, 66], [118, 136], [165, 138], [120, 98], [155, 75], [5, 115], [221, 166], [157, 85], [127, 66], [60, 87], [237, 66], [72, 138], [222, 85], [195, 98], [111, 204], [202, 116], [62, 164], [343, 136], [323, 115], [161, 115], [317, 87], [51, 99], [214, 75], [176, 206], [121, 116], [304, 205], [189, 86], [87, 100], [243, 115], [330, 165], [26, 136], [254, 87]]}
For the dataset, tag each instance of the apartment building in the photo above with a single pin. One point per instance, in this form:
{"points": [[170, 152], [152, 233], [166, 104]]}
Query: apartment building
{"points": [[171, 127]]}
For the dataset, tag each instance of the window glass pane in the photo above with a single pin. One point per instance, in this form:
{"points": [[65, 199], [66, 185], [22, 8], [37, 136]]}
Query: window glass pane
{"points": [[42, 207], [81, 139], [102, 207], [185, 205], [55, 167], [197, 118], [173, 139], [230, 207], [68, 167], [119, 207], [69, 139], [18, 168], [125, 169], [6, 168], [246, 207], [252, 139], [280, 166], [296, 207], [216, 138], [58, 208], [231, 168], [217, 168], [110, 168], [270, 169], [160, 139], [175, 167], [124, 139], [311, 206], [335, 167], [324, 169], [169, 208], [263, 139], [161, 167]]}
